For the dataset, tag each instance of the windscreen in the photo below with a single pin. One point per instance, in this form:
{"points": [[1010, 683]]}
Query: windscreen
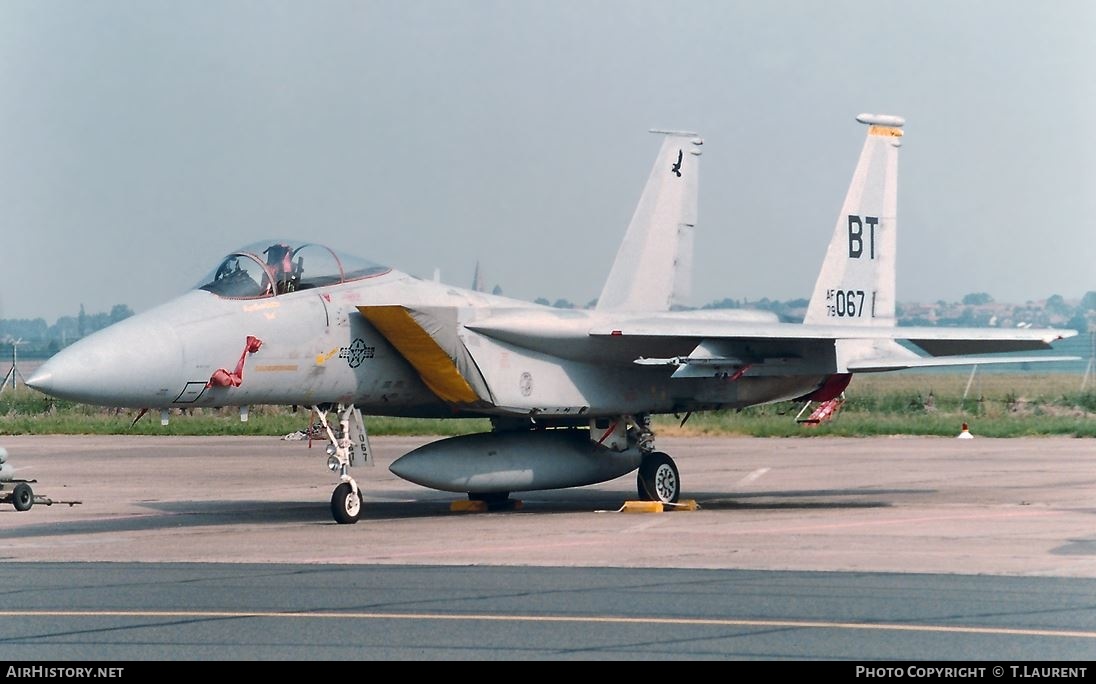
{"points": [[275, 267]]}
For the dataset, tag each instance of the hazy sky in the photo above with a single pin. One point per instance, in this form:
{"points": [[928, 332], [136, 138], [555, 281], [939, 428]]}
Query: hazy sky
{"points": [[142, 140]]}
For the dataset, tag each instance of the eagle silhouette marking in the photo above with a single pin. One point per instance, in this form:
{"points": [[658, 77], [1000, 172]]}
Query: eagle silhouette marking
{"points": [[676, 168]]}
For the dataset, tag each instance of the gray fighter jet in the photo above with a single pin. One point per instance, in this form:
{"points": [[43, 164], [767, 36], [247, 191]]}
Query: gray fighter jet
{"points": [[570, 393]]}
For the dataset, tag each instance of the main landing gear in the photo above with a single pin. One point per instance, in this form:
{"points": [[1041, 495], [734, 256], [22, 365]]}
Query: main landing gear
{"points": [[347, 446], [657, 478]]}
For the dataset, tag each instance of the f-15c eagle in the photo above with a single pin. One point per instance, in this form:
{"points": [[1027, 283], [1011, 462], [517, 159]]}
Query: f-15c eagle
{"points": [[570, 393]]}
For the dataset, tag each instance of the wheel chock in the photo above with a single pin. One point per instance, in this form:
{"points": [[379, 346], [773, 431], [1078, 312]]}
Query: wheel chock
{"points": [[467, 506], [684, 505], [641, 507]]}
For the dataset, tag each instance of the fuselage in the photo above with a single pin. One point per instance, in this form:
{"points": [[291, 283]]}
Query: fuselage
{"points": [[311, 345], [315, 349]]}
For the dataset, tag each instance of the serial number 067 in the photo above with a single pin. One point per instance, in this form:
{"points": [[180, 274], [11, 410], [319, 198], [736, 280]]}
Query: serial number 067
{"points": [[845, 303]]}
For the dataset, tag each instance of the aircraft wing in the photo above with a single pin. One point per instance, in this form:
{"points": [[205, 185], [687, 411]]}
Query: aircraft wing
{"points": [[701, 346], [934, 341], [780, 348]]}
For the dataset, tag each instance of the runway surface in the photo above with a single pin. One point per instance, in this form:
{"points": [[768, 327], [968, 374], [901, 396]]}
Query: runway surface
{"points": [[137, 612], [880, 548]]}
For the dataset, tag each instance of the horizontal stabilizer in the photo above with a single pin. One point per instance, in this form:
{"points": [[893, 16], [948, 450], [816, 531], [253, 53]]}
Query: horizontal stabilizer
{"points": [[946, 346], [890, 364]]}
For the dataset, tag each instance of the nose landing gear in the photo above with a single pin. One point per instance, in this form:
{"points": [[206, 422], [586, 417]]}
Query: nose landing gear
{"points": [[347, 446]]}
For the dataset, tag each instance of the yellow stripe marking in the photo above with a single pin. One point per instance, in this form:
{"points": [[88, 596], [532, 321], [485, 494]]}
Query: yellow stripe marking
{"points": [[701, 622], [885, 130], [432, 363], [276, 368]]}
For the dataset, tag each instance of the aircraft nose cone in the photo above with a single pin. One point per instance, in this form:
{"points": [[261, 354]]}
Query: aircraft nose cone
{"points": [[125, 365], [70, 373], [41, 379]]}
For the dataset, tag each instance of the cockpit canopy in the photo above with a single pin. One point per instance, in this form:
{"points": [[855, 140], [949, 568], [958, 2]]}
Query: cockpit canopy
{"points": [[274, 267]]}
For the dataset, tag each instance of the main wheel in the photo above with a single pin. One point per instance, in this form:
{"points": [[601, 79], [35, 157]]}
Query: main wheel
{"points": [[346, 504], [658, 479], [22, 497]]}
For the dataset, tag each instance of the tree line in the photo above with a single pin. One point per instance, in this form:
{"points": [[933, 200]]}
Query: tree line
{"points": [[36, 338]]}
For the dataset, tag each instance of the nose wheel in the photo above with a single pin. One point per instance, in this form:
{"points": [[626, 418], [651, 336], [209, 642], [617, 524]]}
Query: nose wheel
{"points": [[346, 504], [658, 479]]}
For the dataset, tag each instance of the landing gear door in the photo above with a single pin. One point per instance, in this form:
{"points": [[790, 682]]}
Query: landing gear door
{"points": [[360, 453], [610, 433]]}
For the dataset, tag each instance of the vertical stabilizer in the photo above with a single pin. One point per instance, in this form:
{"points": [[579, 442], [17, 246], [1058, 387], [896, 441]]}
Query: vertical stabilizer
{"points": [[653, 267], [856, 285]]}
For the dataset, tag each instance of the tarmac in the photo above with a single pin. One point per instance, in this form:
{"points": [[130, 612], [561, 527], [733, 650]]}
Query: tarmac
{"points": [[1009, 507]]}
